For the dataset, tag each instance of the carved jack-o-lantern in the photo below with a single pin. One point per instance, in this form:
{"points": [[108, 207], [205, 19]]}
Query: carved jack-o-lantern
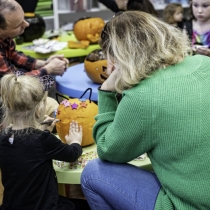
{"points": [[81, 110], [95, 66], [88, 29]]}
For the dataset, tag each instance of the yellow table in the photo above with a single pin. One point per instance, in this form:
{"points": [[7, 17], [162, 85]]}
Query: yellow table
{"points": [[72, 176], [67, 52]]}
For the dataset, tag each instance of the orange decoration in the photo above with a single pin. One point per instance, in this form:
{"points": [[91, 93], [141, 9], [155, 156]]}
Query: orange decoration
{"points": [[88, 29], [78, 44], [81, 111], [95, 66]]}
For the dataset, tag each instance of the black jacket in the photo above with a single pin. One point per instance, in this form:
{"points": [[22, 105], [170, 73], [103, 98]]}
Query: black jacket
{"points": [[187, 25], [28, 176], [111, 4]]}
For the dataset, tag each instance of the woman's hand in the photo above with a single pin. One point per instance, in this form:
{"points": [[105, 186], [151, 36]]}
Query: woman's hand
{"points": [[110, 68], [109, 83], [75, 134]]}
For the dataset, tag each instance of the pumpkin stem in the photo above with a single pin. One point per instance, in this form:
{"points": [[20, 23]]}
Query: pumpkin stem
{"points": [[61, 96], [90, 89]]}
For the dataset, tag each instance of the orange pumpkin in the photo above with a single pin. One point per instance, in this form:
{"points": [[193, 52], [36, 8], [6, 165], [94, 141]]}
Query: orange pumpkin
{"points": [[88, 29], [81, 110], [95, 66]]}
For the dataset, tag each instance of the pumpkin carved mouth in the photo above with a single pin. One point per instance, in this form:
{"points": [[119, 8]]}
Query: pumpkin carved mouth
{"points": [[103, 77]]}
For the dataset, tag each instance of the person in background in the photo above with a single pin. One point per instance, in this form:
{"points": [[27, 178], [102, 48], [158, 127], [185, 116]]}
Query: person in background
{"points": [[115, 5], [173, 15], [198, 27], [142, 5], [164, 111], [12, 24], [27, 148], [120, 5]]}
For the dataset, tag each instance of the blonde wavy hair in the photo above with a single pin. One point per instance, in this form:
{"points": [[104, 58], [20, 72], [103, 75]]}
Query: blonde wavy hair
{"points": [[139, 44], [23, 100]]}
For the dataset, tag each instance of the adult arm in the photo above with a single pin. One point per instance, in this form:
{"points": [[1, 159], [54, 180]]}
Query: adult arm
{"points": [[18, 62], [121, 130], [41, 63], [53, 66], [11, 60], [55, 149]]}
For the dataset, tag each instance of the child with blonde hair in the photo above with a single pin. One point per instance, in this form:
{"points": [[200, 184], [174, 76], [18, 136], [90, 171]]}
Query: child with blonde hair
{"points": [[27, 148], [173, 14]]}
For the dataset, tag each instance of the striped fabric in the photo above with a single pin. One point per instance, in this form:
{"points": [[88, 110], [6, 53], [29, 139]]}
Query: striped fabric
{"points": [[11, 60]]}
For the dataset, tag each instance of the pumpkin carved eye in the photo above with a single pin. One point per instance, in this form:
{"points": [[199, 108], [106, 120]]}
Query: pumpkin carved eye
{"points": [[104, 68]]}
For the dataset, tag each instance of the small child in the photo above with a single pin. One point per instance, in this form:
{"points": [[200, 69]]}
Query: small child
{"points": [[173, 14], [198, 27], [27, 148]]}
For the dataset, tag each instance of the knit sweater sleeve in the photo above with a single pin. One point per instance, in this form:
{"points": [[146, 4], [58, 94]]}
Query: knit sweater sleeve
{"points": [[120, 128]]}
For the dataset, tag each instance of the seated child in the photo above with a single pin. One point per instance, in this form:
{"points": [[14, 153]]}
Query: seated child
{"points": [[173, 15], [198, 27], [27, 148]]}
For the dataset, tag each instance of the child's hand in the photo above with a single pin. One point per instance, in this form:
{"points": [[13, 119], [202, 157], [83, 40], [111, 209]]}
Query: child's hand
{"points": [[75, 134], [202, 50], [50, 123]]}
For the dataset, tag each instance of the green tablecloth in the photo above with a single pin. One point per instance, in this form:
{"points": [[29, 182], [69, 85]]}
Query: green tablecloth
{"points": [[67, 52], [72, 176]]}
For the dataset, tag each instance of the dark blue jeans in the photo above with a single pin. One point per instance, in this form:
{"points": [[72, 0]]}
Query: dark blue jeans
{"points": [[111, 186]]}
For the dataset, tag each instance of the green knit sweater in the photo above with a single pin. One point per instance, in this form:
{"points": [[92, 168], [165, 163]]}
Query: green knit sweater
{"points": [[168, 116]]}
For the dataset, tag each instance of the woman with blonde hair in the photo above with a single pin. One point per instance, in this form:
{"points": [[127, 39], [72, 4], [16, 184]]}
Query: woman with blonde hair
{"points": [[163, 111]]}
